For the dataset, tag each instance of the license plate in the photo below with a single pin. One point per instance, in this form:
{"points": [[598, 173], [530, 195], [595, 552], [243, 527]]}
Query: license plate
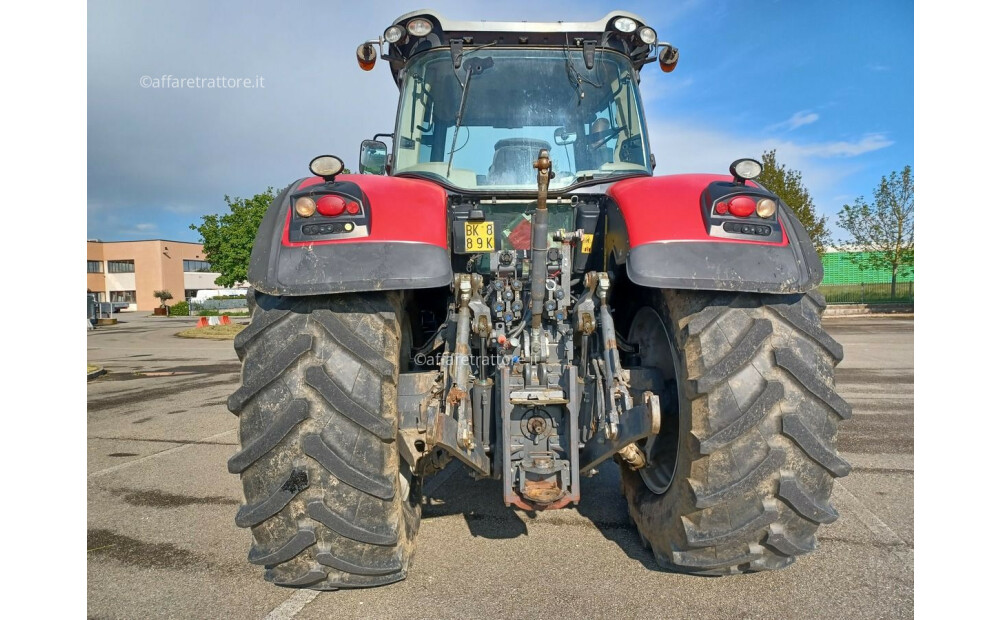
{"points": [[480, 237]]}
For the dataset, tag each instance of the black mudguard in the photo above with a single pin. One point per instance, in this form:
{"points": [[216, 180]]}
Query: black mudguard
{"points": [[714, 266], [662, 233]]}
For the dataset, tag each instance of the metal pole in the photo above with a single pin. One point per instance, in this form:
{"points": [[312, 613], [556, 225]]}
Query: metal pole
{"points": [[539, 248]]}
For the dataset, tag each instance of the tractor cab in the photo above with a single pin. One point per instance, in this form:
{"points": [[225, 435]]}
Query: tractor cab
{"points": [[479, 100]]}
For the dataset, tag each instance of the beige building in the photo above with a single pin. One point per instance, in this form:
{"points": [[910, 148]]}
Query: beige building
{"points": [[129, 271]]}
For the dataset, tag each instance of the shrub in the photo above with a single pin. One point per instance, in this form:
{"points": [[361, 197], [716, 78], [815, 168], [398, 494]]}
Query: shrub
{"points": [[208, 312], [180, 309], [163, 296]]}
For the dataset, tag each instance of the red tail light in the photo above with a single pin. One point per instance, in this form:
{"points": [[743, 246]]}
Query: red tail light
{"points": [[741, 206], [331, 205], [353, 208]]}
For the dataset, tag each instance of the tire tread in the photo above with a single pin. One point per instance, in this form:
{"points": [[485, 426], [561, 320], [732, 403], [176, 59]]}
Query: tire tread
{"points": [[318, 459], [295, 412], [761, 447], [735, 359]]}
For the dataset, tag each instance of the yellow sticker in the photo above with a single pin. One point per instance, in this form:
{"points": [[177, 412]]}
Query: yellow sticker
{"points": [[588, 242], [480, 237]]}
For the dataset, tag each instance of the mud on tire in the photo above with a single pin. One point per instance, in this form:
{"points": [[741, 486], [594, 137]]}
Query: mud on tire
{"points": [[327, 500], [755, 416]]}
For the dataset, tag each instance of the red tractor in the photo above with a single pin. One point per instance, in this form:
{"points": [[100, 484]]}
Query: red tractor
{"points": [[509, 286]]}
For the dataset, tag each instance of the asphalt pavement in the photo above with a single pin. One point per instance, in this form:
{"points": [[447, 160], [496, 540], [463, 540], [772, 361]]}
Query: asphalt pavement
{"points": [[161, 541]]}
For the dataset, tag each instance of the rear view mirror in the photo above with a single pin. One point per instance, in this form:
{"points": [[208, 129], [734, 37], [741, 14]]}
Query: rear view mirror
{"points": [[563, 136], [373, 157]]}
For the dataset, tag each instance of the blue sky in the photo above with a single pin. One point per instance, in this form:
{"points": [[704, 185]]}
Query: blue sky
{"points": [[830, 85]]}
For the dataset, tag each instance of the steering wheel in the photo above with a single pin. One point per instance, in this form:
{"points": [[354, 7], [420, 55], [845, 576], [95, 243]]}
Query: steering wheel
{"points": [[602, 137]]}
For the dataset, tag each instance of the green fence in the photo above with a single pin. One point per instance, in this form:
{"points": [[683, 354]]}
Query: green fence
{"points": [[212, 307], [845, 282], [868, 293]]}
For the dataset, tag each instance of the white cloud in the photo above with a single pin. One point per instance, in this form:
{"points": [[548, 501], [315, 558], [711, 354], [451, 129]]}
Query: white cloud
{"points": [[185, 208], [682, 147], [867, 143], [800, 118], [139, 231], [654, 92], [170, 155]]}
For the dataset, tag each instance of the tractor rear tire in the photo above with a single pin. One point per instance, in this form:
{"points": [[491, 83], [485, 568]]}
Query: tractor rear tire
{"points": [[328, 500], [744, 465]]}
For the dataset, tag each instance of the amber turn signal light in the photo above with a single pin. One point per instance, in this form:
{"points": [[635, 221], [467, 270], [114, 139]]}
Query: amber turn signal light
{"points": [[305, 206], [367, 56], [766, 207], [669, 56]]}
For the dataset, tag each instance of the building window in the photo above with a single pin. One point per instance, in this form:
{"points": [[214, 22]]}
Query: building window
{"points": [[121, 266], [123, 296], [95, 266], [197, 265]]}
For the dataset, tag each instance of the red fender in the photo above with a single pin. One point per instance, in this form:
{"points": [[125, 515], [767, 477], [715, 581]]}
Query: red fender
{"points": [[657, 231], [403, 245], [668, 208], [404, 210]]}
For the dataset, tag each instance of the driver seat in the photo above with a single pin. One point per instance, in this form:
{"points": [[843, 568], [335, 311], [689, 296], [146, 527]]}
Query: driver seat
{"points": [[513, 160]]}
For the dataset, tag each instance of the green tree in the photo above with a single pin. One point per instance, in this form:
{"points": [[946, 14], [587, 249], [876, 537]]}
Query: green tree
{"points": [[881, 232], [163, 296], [228, 238], [787, 184]]}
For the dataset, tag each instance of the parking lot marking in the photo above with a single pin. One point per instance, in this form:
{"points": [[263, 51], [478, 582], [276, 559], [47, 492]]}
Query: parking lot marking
{"points": [[292, 605], [869, 395], [115, 468], [296, 602], [877, 526]]}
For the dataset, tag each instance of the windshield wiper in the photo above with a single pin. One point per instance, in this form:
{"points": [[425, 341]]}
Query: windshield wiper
{"points": [[589, 175], [473, 66], [575, 77]]}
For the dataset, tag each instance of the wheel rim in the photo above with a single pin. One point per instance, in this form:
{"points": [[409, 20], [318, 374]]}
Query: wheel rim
{"points": [[656, 350]]}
